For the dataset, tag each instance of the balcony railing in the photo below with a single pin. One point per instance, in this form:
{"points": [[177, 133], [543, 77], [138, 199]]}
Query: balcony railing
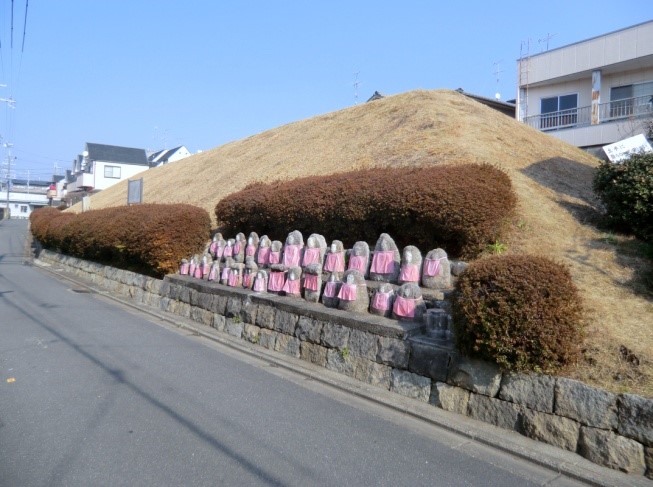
{"points": [[640, 106]]}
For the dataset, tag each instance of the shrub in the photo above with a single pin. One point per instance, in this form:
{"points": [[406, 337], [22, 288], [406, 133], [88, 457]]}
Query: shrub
{"points": [[626, 190], [522, 312], [460, 208], [146, 238]]}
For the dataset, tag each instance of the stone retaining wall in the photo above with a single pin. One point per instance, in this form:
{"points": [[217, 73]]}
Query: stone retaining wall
{"points": [[614, 430]]}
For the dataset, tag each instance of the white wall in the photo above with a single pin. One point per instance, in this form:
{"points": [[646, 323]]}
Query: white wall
{"points": [[126, 171]]}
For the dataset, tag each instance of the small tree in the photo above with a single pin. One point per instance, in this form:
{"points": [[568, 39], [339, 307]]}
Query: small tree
{"points": [[626, 190]]}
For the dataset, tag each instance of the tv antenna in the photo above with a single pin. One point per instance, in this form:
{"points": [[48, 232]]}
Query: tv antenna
{"points": [[497, 71], [356, 83], [546, 39]]}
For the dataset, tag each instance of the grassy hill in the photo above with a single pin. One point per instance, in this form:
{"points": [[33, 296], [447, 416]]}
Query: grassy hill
{"points": [[552, 179]]}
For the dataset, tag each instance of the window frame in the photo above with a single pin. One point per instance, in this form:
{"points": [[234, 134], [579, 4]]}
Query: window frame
{"points": [[112, 169]]}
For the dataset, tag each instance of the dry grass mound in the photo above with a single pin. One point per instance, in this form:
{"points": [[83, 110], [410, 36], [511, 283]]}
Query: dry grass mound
{"points": [[553, 182]]}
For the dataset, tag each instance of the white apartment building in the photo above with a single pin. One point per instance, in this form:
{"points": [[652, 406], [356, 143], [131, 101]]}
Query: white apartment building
{"points": [[593, 92]]}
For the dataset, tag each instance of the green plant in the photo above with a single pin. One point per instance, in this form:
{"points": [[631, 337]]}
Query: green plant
{"points": [[236, 319], [626, 190], [496, 248], [522, 312], [609, 238], [344, 353], [522, 225]]}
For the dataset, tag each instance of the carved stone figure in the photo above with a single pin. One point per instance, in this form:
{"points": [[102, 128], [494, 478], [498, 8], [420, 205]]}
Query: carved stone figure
{"points": [[199, 267], [436, 272], [408, 305], [192, 265], [250, 272], [226, 270], [386, 260], [275, 252], [331, 290], [312, 282], [277, 278], [235, 278], [353, 292], [239, 248], [383, 300], [217, 246], [229, 249], [292, 286], [359, 258], [206, 265], [292, 251], [252, 245], [314, 251], [261, 282], [334, 263], [411, 265], [184, 267], [214, 273], [263, 252]]}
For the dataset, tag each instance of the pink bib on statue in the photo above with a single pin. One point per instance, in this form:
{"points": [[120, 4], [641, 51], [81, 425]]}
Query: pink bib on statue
{"points": [[409, 273], [275, 257], [310, 282], [191, 269], [291, 254], [213, 247], [259, 284], [247, 280], [183, 269], [330, 289], [404, 307], [291, 287], [212, 273], [335, 262], [348, 292], [228, 251], [383, 262], [311, 256], [198, 272], [276, 281], [225, 274], [358, 262], [219, 251], [250, 250], [233, 279], [237, 248], [381, 301], [432, 266], [263, 256]]}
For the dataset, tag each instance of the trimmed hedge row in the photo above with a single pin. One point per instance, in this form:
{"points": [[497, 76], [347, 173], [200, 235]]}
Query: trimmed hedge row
{"points": [[148, 238], [521, 311], [460, 208]]}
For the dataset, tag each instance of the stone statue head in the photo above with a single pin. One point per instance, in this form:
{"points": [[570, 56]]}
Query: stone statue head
{"points": [[265, 241]]}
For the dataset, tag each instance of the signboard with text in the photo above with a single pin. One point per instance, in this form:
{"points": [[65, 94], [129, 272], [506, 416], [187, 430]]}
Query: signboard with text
{"points": [[622, 150], [135, 191]]}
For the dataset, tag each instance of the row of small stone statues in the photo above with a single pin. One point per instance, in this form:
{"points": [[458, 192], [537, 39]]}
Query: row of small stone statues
{"points": [[315, 270]]}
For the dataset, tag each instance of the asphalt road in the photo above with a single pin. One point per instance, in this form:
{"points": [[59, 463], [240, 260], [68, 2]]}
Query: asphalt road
{"points": [[92, 393]]}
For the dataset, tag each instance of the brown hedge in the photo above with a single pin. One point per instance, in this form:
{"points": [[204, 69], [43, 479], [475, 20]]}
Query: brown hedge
{"points": [[522, 312], [459, 208], [146, 238]]}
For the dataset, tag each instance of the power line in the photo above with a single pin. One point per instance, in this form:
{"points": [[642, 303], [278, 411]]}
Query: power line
{"points": [[24, 27]]}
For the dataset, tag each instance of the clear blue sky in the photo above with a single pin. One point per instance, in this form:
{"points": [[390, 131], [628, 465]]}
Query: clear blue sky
{"points": [[162, 73]]}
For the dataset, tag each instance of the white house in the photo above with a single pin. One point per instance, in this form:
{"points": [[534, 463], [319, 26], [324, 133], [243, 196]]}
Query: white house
{"points": [[24, 197], [590, 93], [101, 166], [165, 156]]}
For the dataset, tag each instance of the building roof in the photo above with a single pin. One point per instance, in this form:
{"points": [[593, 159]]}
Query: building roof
{"points": [[375, 96], [548, 51], [114, 153], [503, 106], [162, 156]]}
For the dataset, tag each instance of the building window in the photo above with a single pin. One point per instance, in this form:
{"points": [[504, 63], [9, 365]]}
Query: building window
{"points": [[558, 111], [630, 100], [112, 172], [23, 209]]}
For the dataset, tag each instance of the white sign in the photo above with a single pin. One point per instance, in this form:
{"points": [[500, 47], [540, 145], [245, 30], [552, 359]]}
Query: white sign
{"points": [[135, 191], [622, 150], [86, 203]]}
